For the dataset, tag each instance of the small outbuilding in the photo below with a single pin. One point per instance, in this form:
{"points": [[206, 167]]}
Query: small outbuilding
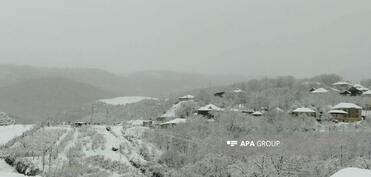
{"points": [[319, 91]]}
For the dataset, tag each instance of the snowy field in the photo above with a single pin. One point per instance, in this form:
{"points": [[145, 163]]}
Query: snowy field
{"points": [[9, 132], [352, 172], [125, 100], [97, 149]]}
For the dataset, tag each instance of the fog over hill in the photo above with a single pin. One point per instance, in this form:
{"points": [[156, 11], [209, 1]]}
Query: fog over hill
{"points": [[36, 93], [39, 99], [147, 83]]}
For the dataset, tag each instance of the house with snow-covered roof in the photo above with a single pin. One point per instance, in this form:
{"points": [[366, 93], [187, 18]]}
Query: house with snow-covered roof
{"points": [[206, 110], [319, 91], [303, 111], [355, 91], [173, 123], [186, 98], [237, 90], [219, 94], [346, 112], [343, 85], [361, 87], [367, 93], [257, 113]]}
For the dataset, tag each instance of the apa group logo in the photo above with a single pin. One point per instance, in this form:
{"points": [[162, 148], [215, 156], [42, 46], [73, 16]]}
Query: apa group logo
{"points": [[257, 143], [232, 143]]}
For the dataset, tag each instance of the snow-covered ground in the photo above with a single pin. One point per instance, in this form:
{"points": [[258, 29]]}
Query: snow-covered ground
{"points": [[171, 113], [114, 137], [9, 132], [352, 172], [125, 100]]}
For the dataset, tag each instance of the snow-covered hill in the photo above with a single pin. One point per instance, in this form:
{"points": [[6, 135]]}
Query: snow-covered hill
{"points": [[110, 151], [7, 133], [352, 172]]}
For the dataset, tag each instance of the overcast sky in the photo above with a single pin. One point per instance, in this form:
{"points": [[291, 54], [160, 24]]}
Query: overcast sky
{"points": [[249, 37]]}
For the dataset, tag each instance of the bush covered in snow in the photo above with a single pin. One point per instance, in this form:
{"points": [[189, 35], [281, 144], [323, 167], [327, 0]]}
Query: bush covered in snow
{"points": [[23, 166]]}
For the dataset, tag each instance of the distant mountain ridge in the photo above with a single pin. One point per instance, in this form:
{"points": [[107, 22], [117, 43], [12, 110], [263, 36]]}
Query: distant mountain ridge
{"points": [[34, 93], [147, 83], [40, 99]]}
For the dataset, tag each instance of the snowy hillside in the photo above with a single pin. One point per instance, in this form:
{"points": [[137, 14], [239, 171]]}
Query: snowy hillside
{"points": [[172, 112], [352, 172], [101, 150], [9, 132], [125, 100]]}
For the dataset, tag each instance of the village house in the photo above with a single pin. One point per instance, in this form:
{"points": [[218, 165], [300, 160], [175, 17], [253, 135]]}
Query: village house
{"points": [[219, 94], [346, 112], [345, 93], [367, 93], [319, 91], [248, 111], [147, 123], [186, 98], [237, 90], [361, 87], [338, 114], [207, 110], [257, 113], [164, 117], [173, 123], [355, 91], [237, 108], [303, 111], [343, 85]]}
